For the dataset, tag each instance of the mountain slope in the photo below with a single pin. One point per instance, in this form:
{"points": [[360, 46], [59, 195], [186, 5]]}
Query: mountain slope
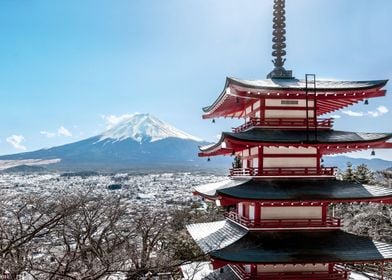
{"points": [[144, 128], [341, 162], [139, 142]]}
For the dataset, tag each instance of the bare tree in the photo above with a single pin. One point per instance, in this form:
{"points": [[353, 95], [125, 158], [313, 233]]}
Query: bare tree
{"points": [[85, 235], [25, 220]]}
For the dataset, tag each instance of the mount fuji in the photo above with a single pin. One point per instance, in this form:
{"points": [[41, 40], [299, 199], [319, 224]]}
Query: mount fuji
{"points": [[144, 128], [138, 142]]}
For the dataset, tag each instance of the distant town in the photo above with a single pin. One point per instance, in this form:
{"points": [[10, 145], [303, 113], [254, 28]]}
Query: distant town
{"points": [[171, 190]]}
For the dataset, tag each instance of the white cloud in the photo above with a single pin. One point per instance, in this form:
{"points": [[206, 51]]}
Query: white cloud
{"points": [[48, 134], [381, 110], [16, 141], [353, 114], [113, 120], [62, 131], [335, 116]]}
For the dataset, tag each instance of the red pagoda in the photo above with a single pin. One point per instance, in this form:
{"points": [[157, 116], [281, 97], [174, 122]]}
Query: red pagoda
{"points": [[279, 191]]}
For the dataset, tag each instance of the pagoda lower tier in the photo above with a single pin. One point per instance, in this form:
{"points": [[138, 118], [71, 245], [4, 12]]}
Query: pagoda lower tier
{"points": [[284, 228], [295, 254]]}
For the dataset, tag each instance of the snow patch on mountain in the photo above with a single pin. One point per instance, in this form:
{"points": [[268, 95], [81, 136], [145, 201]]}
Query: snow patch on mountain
{"points": [[144, 128]]}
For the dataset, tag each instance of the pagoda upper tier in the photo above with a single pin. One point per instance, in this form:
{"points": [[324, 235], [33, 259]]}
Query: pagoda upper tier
{"points": [[266, 99], [293, 192]]}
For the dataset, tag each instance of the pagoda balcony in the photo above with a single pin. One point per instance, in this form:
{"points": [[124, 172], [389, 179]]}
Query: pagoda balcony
{"points": [[285, 123], [282, 171], [329, 222], [335, 274]]}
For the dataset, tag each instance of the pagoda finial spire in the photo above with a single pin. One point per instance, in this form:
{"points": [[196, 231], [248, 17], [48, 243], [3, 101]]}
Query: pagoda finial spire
{"points": [[279, 41]]}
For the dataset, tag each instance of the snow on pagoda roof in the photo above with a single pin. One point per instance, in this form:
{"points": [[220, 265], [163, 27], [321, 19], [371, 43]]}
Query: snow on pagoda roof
{"points": [[330, 190], [258, 136], [322, 85], [215, 235], [210, 188], [301, 246], [331, 95], [298, 136]]}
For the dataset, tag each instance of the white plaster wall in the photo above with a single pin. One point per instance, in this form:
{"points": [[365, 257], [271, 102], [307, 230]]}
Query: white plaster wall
{"points": [[278, 102], [254, 151], [289, 150], [288, 114], [290, 162], [255, 162], [256, 105], [245, 153], [288, 212], [240, 209], [292, 268], [248, 110], [251, 212], [247, 268]]}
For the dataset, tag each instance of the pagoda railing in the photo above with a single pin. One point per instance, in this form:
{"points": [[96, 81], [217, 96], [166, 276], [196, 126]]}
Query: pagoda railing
{"points": [[284, 122], [285, 223], [337, 273], [283, 171]]}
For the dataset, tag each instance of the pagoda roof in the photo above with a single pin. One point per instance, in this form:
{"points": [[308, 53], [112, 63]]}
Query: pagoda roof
{"points": [[331, 95], [324, 190], [287, 247], [216, 235], [297, 84], [277, 137]]}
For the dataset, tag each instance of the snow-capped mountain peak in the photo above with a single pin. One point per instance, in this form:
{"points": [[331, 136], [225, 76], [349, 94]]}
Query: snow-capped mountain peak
{"points": [[144, 128]]}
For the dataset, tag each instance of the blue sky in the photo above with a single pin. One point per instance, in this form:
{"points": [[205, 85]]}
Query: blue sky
{"points": [[65, 65]]}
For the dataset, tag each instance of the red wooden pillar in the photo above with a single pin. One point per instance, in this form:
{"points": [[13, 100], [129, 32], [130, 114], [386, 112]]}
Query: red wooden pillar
{"points": [[318, 160], [324, 210], [253, 270], [262, 110], [257, 214], [261, 157]]}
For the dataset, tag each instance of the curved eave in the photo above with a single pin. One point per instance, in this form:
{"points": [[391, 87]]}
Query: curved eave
{"points": [[231, 243], [226, 200], [215, 235], [331, 95], [347, 143], [286, 192], [299, 247], [300, 137], [297, 84], [215, 149]]}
